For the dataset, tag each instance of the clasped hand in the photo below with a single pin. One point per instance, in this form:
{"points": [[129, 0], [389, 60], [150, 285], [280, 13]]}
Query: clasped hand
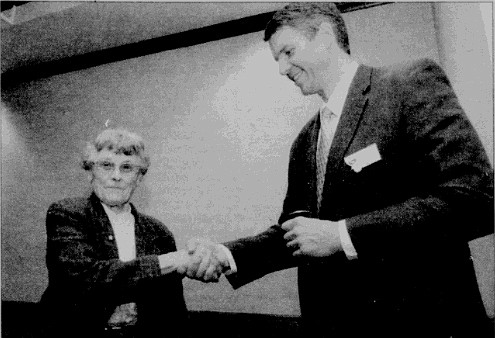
{"points": [[203, 260], [312, 237]]}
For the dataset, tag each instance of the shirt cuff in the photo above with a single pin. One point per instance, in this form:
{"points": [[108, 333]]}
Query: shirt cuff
{"points": [[232, 265], [346, 242]]}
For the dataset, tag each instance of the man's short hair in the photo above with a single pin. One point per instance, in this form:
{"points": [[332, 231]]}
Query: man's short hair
{"points": [[307, 17]]}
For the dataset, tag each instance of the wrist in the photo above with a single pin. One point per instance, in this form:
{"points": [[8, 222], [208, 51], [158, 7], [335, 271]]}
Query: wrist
{"points": [[232, 267], [173, 261], [345, 240]]}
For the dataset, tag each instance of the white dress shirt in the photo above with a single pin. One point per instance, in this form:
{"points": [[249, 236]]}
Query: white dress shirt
{"points": [[123, 229]]}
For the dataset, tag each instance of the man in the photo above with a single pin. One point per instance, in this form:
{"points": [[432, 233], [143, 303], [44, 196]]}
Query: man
{"points": [[387, 183], [112, 271]]}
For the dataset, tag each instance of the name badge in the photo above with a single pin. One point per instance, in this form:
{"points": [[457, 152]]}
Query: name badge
{"points": [[363, 158]]}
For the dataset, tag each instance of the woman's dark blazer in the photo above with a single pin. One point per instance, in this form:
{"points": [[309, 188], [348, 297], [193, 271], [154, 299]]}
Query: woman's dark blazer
{"points": [[86, 279]]}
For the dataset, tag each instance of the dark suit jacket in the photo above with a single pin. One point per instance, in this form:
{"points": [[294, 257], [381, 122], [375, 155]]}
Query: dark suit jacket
{"points": [[86, 279], [410, 215]]}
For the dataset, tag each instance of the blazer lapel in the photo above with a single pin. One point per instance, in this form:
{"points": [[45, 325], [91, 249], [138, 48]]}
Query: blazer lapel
{"points": [[140, 234], [104, 230], [349, 121]]}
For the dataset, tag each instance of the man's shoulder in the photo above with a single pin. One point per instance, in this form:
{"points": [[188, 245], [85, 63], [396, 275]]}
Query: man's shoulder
{"points": [[305, 132], [405, 78], [309, 125], [409, 68]]}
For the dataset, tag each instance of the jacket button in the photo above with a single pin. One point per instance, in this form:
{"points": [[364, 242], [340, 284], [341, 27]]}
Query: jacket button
{"points": [[110, 237]]}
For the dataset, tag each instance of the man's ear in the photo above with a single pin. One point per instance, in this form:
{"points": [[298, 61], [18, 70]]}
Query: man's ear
{"points": [[326, 30]]}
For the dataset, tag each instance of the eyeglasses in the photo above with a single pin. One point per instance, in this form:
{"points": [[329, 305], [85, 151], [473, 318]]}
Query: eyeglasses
{"points": [[125, 168]]}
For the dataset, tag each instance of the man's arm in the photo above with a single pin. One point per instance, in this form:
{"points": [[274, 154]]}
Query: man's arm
{"points": [[253, 256]]}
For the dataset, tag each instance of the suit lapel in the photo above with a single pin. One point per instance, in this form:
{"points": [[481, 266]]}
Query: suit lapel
{"points": [[349, 121]]}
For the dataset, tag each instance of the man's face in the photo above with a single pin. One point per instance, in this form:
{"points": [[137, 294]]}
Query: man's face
{"points": [[115, 177], [300, 58]]}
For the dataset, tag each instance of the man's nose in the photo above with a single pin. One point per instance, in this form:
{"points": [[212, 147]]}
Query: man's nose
{"points": [[283, 66]]}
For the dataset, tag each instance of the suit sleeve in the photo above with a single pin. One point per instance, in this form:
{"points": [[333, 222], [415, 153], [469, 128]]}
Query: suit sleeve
{"points": [[76, 264], [258, 255], [458, 203]]}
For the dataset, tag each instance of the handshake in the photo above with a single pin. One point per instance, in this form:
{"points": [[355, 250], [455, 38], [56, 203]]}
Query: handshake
{"points": [[202, 260], [304, 236]]}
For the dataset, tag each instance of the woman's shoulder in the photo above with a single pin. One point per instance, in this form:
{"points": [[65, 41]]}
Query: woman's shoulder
{"points": [[151, 222], [70, 205]]}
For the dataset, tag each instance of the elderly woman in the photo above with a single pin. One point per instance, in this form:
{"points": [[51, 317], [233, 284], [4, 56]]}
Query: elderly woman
{"points": [[112, 271]]}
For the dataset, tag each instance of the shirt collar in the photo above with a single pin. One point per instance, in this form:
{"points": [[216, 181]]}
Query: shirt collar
{"points": [[114, 216], [337, 98]]}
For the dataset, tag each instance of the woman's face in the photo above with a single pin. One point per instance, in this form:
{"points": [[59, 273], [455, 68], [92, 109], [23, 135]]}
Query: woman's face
{"points": [[115, 177]]}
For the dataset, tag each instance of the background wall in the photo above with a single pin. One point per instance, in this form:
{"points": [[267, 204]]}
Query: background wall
{"points": [[219, 121]]}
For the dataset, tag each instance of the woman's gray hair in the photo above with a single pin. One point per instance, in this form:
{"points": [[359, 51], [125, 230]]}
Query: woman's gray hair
{"points": [[119, 141]]}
